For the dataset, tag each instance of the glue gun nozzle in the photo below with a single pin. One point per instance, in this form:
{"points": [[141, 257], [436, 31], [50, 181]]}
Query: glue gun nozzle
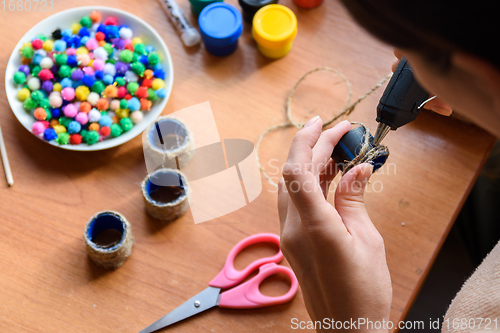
{"points": [[382, 131]]}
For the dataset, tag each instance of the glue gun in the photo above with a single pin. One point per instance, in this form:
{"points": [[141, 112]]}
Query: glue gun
{"points": [[401, 102]]}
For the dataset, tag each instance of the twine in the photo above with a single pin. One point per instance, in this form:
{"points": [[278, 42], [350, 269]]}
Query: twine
{"points": [[367, 154], [302, 78], [109, 256]]}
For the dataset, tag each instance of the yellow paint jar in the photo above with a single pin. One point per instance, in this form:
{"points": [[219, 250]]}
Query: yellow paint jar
{"points": [[274, 28]]}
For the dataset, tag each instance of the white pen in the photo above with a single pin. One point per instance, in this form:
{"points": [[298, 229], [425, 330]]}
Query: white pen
{"points": [[189, 35]]}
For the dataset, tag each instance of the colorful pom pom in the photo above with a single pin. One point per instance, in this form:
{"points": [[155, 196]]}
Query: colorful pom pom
{"points": [[82, 93], [95, 16], [116, 130], [68, 94], [92, 136], [19, 77], [74, 127], [38, 128], [136, 117], [34, 83], [49, 134], [40, 114], [23, 93], [75, 139], [90, 82], [62, 138], [45, 75], [94, 116], [70, 111], [82, 118], [94, 127]]}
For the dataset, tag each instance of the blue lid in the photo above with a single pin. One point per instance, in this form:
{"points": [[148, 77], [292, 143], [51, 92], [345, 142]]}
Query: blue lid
{"points": [[220, 24]]}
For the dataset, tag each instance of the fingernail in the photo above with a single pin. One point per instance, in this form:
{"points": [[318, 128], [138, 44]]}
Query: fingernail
{"points": [[368, 167], [442, 111], [311, 121]]}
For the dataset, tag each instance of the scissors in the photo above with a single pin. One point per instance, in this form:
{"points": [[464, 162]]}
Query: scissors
{"points": [[244, 296]]}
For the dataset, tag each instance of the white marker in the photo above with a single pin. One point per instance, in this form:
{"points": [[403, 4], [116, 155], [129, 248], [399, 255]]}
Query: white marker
{"points": [[189, 35]]}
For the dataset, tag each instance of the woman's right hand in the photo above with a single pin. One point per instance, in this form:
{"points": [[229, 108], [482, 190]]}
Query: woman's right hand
{"points": [[436, 104]]}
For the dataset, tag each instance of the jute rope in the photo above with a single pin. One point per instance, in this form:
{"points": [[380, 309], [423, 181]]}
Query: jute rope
{"points": [[113, 255], [166, 211], [366, 154]]}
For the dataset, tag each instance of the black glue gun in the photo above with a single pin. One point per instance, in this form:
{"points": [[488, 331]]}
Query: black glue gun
{"points": [[401, 102]]}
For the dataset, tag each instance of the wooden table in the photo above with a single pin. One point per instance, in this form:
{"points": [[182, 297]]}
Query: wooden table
{"points": [[47, 284]]}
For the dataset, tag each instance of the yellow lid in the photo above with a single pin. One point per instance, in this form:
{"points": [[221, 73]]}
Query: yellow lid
{"points": [[274, 26]]}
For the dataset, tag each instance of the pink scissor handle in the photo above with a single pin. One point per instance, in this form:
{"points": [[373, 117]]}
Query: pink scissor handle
{"points": [[230, 276], [247, 295]]}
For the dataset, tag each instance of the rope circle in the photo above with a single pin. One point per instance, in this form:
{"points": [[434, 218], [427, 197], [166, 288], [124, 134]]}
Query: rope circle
{"points": [[291, 122]]}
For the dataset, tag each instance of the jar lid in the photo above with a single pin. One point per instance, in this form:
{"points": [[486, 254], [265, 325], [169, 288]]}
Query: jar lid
{"points": [[274, 26], [220, 24], [198, 5], [255, 5]]}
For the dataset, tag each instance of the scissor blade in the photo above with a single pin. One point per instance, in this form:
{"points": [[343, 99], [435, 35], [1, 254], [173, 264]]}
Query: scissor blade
{"points": [[205, 300]]}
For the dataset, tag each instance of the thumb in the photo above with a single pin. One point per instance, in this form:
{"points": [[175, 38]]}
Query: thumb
{"points": [[349, 200]]}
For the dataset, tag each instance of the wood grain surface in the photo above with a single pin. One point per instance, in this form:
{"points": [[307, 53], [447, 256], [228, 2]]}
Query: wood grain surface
{"points": [[47, 284]]}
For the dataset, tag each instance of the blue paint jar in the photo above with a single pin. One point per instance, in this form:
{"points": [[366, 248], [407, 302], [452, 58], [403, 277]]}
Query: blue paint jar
{"points": [[220, 25]]}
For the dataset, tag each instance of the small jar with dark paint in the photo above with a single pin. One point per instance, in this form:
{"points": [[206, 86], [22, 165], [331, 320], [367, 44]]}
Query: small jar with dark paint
{"points": [[250, 7]]}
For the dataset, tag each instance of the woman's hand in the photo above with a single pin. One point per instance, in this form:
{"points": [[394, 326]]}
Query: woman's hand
{"points": [[336, 252], [436, 104]]}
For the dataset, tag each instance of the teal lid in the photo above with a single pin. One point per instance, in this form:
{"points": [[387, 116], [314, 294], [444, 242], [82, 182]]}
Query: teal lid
{"points": [[198, 5]]}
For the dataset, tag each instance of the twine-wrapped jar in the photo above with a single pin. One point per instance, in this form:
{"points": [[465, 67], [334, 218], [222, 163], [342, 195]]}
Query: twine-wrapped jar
{"points": [[166, 194], [167, 143], [108, 239]]}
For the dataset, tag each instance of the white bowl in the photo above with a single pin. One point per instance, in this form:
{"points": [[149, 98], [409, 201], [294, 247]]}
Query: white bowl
{"points": [[64, 20]]}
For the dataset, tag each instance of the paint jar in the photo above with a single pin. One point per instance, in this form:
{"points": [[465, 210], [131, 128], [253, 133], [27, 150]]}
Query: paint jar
{"points": [[198, 5], [108, 239], [250, 7], [274, 28], [220, 25], [350, 146], [166, 194], [308, 3]]}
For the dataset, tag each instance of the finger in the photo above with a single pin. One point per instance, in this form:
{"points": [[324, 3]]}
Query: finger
{"points": [[394, 65], [439, 106], [398, 53], [282, 203], [290, 223], [323, 149], [326, 178], [300, 153], [349, 200], [302, 184]]}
